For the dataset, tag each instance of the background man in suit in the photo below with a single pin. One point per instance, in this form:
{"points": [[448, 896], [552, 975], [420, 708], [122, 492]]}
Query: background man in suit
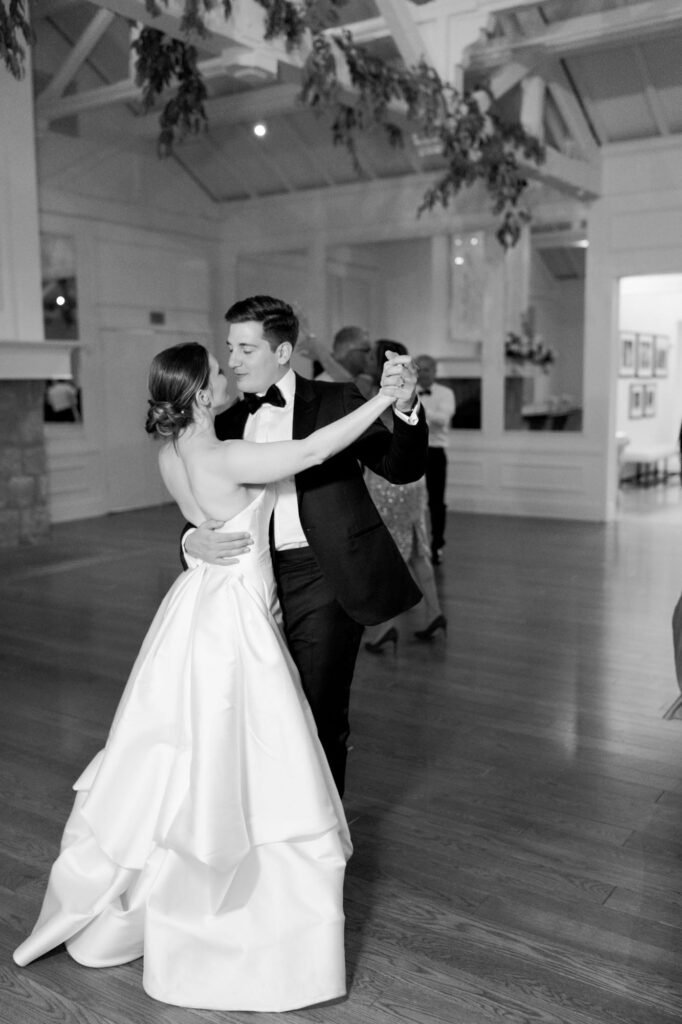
{"points": [[439, 406], [337, 567], [351, 348]]}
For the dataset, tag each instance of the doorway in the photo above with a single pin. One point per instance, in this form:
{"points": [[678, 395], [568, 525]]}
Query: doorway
{"points": [[649, 397]]}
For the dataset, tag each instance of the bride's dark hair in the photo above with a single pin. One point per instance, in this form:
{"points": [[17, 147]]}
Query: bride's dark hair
{"points": [[175, 376]]}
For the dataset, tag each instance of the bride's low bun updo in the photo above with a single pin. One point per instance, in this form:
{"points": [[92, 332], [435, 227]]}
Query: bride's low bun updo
{"points": [[175, 377], [164, 420]]}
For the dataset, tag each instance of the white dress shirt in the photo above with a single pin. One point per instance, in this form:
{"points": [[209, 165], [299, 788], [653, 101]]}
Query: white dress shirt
{"points": [[275, 423], [439, 408]]}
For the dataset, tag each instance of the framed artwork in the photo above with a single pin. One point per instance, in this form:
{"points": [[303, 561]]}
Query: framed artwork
{"points": [[628, 343], [649, 400], [661, 350], [645, 355], [635, 401]]}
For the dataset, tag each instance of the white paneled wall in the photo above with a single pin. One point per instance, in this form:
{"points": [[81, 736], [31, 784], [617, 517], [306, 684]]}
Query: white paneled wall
{"points": [[126, 276]]}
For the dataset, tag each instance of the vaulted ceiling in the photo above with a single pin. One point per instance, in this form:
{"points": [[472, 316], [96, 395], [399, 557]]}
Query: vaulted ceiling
{"points": [[584, 73]]}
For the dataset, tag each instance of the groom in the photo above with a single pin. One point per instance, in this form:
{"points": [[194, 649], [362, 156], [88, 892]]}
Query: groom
{"points": [[337, 567]]}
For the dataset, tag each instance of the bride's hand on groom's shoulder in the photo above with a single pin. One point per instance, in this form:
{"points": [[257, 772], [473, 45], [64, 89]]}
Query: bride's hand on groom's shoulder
{"points": [[207, 544]]}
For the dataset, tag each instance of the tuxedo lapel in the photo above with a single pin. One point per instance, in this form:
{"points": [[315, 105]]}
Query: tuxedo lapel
{"points": [[306, 403], [230, 424]]}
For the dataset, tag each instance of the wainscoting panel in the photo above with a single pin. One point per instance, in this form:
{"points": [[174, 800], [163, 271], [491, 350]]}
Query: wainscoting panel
{"points": [[541, 476], [561, 484], [75, 490]]}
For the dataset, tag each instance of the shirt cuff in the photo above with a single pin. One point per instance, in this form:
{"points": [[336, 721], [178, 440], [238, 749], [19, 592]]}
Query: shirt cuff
{"points": [[411, 417]]}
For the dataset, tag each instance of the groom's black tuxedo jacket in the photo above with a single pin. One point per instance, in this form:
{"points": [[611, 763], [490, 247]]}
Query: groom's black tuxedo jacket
{"points": [[355, 551]]}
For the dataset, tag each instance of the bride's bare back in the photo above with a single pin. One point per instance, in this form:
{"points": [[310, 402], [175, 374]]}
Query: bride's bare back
{"points": [[194, 474]]}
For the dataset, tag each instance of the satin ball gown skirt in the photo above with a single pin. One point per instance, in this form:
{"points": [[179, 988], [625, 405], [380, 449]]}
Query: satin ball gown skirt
{"points": [[208, 835]]}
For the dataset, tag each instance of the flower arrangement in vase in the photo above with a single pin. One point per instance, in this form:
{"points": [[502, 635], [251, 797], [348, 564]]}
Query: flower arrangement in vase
{"points": [[528, 348]]}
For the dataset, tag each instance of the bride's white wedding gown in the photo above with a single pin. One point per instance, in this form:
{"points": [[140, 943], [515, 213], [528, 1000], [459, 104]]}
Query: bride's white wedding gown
{"points": [[208, 835]]}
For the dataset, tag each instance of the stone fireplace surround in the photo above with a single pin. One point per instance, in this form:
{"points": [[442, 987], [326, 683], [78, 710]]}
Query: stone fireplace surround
{"points": [[24, 487]]}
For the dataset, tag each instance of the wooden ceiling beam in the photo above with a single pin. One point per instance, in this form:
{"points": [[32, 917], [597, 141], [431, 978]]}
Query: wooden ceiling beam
{"points": [[243, 28], [581, 178], [573, 115], [76, 58], [253, 105], [615, 27], [504, 79], [401, 25], [653, 99], [121, 92]]}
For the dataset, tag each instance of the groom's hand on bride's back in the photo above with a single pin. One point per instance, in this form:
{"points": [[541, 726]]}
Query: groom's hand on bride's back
{"points": [[206, 544]]}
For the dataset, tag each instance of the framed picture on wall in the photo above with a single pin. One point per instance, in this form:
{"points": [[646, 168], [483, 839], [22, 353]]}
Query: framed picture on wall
{"points": [[628, 343], [661, 349], [649, 400], [645, 355], [635, 401]]}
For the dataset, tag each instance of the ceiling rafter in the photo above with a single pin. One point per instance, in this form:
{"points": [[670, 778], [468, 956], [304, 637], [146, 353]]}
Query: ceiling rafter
{"points": [[566, 172], [573, 115], [505, 78], [555, 128], [596, 120], [655, 105], [124, 90], [581, 33], [77, 57], [251, 105], [533, 105], [406, 35], [530, 19]]}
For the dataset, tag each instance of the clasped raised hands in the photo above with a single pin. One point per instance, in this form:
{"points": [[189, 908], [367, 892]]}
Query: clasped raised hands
{"points": [[399, 381]]}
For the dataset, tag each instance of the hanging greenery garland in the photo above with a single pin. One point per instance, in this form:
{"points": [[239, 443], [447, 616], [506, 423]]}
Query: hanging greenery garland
{"points": [[15, 35], [161, 61], [475, 143]]}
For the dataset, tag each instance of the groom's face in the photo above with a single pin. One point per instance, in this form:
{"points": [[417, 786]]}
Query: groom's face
{"points": [[252, 360]]}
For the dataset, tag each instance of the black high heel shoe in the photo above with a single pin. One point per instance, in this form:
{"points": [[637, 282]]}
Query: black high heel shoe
{"points": [[389, 637], [440, 622]]}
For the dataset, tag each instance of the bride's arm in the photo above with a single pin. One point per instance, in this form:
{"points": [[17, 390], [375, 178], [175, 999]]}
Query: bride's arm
{"points": [[251, 463]]}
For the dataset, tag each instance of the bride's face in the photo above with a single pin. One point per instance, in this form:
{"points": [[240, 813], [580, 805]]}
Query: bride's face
{"points": [[217, 384]]}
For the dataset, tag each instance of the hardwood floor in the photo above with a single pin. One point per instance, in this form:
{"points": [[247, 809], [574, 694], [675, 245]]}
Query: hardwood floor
{"points": [[515, 795]]}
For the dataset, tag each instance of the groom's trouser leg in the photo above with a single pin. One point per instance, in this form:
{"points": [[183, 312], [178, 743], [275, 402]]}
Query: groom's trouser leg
{"points": [[324, 643]]}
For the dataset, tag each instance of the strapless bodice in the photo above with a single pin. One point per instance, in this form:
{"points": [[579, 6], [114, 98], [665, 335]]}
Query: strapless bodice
{"points": [[255, 520], [253, 570]]}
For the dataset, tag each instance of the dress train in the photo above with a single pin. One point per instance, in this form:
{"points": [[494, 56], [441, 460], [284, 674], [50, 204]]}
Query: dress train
{"points": [[208, 835]]}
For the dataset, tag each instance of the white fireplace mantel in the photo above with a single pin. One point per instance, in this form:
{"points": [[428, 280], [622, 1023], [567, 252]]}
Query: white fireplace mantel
{"points": [[35, 360]]}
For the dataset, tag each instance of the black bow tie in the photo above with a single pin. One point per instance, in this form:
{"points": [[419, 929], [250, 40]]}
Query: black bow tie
{"points": [[273, 396], [425, 391]]}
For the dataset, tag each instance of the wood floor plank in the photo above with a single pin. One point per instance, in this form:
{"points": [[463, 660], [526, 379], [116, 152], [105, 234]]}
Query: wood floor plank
{"points": [[514, 794]]}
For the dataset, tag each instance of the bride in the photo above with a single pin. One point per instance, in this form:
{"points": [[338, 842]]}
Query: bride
{"points": [[208, 835]]}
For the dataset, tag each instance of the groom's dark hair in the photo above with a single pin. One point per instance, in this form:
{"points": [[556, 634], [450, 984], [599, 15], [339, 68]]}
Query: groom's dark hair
{"points": [[279, 321]]}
